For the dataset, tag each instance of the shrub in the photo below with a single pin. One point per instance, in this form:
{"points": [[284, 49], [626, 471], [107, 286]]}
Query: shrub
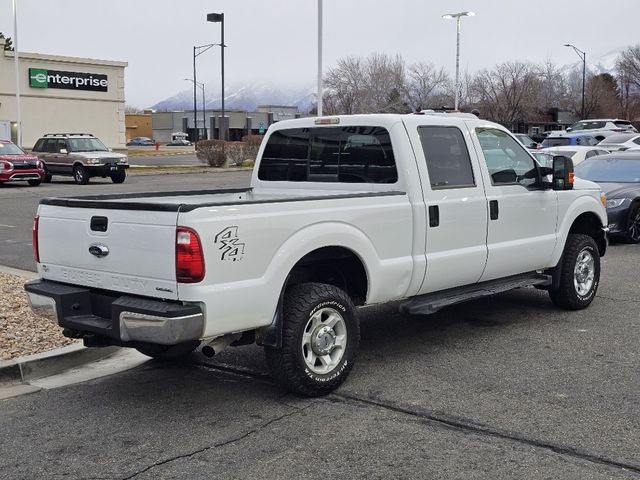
{"points": [[212, 152], [235, 153], [251, 146]]}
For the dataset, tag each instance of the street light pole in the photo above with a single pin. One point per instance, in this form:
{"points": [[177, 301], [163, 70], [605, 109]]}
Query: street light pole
{"points": [[219, 18], [197, 51], [582, 55], [320, 93], [16, 62], [458, 17], [204, 105]]}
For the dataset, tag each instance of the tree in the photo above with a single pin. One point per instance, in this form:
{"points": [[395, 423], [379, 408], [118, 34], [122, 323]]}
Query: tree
{"points": [[8, 43], [426, 86]]}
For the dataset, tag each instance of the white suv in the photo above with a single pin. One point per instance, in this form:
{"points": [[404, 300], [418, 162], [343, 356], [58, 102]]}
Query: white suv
{"points": [[600, 128]]}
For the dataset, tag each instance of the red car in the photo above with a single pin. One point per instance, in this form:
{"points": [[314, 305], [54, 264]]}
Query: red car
{"points": [[16, 166]]}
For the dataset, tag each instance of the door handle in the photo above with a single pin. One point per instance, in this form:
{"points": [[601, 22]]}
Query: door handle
{"points": [[434, 215], [494, 211]]}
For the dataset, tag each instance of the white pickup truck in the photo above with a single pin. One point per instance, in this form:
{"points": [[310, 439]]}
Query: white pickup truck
{"points": [[429, 209]]}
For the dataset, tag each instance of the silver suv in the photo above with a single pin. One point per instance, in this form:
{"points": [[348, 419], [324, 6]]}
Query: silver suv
{"points": [[600, 128], [81, 155]]}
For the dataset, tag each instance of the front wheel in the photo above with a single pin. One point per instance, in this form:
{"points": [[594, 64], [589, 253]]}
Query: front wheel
{"points": [[80, 175], [119, 176], [579, 273], [34, 183], [633, 224], [320, 339]]}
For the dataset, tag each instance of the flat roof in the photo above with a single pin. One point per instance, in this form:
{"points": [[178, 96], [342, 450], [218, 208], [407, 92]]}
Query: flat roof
{"points": [[63, 59]]}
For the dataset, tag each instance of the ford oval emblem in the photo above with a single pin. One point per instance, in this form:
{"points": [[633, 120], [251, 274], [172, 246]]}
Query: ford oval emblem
{"points": [[98, 250]]}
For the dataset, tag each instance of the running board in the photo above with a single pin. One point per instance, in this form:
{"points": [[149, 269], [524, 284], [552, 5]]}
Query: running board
{"points": [[432, 302]]}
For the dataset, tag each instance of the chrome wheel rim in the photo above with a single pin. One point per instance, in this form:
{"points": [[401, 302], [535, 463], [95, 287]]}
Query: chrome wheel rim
{"points": [[584, 273], [634, 225], [324, 340], [79, 175]]}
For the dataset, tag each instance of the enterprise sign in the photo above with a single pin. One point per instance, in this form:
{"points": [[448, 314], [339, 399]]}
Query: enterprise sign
{"points": [[42, 78]]}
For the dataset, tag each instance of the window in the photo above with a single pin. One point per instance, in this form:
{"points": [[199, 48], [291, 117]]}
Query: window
{"points": [[508, 162], [447, 157], [329, 154], [50, 145], [636, 140], [39, 146], [60, 145], [555, 142]]}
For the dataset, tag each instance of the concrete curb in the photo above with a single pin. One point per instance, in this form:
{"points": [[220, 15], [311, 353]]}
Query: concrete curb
{"points": [[49, 363], [180, 169], [39, 365]]}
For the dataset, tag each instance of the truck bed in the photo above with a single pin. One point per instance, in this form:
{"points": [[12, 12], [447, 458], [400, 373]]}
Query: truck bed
{"points": [[185, 201]]}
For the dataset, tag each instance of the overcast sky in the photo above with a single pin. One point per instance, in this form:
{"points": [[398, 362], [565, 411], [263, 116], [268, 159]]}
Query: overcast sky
{"points": [[276, 40]]}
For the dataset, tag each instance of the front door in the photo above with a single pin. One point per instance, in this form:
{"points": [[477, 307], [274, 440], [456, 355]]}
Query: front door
{"points": [[455, 204], [521, 235]]}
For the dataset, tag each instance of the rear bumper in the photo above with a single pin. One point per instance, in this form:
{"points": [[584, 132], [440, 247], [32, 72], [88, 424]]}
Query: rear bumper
{"points": [[123, 319]]}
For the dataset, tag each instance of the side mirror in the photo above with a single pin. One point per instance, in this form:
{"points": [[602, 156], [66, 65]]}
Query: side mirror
{"points": [[562, 173], [568, 129], [63, 151]]}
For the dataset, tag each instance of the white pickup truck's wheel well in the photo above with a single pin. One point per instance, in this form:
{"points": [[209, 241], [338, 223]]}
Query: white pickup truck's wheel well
{"points": [[337, 266], [589, 224]]}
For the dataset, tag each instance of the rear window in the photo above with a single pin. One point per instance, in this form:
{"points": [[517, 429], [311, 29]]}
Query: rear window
{"points": [[555, 142], [622, 123], [329, 154], [588, 125], [614, 139]]}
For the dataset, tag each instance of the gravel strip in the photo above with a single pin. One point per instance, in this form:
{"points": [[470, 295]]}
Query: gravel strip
{"points": [[22, 332]]}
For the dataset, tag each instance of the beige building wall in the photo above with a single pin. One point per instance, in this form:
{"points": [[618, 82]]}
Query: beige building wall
{"points": [[49, 110]]}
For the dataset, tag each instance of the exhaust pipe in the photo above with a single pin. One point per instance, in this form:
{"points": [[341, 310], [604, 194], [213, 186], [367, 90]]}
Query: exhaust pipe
{"points": [[217, 345]]}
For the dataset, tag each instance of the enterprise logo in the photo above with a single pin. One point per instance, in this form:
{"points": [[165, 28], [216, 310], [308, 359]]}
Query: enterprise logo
{"points": [[42, 78]]}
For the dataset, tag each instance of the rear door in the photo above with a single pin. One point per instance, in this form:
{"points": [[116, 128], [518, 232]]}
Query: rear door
{"points": [[455, 204], [129, 251]]}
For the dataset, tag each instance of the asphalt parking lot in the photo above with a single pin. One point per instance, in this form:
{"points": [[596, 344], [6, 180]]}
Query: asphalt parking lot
{"points": [[501, 388]]}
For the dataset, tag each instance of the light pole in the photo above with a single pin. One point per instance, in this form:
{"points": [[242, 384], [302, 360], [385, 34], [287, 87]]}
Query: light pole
{"points": [[197, 51], [16, 62], [320, 93], [219, 18], [457, 17], [204, 105], [582, 55]]}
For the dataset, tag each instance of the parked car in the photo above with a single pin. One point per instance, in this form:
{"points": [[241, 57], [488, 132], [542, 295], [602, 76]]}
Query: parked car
{"points": [[179, 142], [526, 140], [569, 139], [577, 153], [81, 155], [140, 141], [600, 128], [618, 174], [621, 142], [429, 210], [17, 166]]}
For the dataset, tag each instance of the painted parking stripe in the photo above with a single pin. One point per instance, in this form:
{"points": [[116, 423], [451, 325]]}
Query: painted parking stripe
{"points": [[7, 226]]}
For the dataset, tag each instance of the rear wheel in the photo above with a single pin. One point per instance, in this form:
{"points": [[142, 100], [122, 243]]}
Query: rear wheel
{"points": [[80, 175], [119, 176], [34, 183], [320, 338], [168, 352], [579, 273], [633, 224], [47, 175]]}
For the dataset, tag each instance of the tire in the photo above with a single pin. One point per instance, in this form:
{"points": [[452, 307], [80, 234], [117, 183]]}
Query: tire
{"points": [[119, 176], [579, 273], [47, 175], [80, 175], [320, 338], [34, 183], [168, 352], [632, 235]]}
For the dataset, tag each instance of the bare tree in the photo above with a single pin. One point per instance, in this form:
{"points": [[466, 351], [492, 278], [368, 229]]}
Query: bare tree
{"points": [[503, 93], [345, 85], [425, 86]]}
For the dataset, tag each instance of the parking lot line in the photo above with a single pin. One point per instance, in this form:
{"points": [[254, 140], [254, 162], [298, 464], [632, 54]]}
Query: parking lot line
{"points": [[7, 226]]}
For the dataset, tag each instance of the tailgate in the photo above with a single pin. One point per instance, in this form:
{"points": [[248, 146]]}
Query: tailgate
{"points": [[128, 251]]}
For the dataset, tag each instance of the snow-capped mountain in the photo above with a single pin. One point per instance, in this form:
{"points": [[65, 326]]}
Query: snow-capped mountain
{"points": [[597, 64], [243, 97]]}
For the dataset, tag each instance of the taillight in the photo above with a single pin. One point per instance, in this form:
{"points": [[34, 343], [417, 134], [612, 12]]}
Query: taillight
{"points": [[189, 257], [34, 238]]}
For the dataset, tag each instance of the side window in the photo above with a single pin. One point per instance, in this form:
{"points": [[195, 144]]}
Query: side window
{"points": [[507, 161], [329, 154], [591, 153], [636, 140], [51, 145], [447, 157], [60, 145], [39, 146]]}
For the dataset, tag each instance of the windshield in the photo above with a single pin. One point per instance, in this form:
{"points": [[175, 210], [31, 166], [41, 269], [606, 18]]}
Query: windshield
{"points": [[10, 149], [610, 170], [86, 145]]}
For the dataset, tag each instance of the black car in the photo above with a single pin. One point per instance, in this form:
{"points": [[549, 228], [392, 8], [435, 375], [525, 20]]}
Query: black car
{"points": [[619, 176]]}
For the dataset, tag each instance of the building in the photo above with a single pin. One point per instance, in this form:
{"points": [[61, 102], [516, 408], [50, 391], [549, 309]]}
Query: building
{"points": [[138, 125], [240, 122], [62, 94]]}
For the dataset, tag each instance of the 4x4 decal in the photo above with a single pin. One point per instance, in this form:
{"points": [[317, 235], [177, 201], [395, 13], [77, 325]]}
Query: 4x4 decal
{"points": [[230, 245]]}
